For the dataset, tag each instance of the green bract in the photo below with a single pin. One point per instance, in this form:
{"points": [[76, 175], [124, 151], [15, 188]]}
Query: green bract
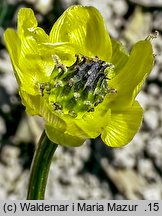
{"points": [[73, 102]]}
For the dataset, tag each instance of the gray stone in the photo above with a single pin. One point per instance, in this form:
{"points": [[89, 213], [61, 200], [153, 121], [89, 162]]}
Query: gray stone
{"points": [[143, 99], [154, 90], [154, 150], [147, 170], [157, 21], [148, 3], [151, 118], [152, 192]]}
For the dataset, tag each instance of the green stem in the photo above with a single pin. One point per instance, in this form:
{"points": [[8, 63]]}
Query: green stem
{"points": [[40, 168]]}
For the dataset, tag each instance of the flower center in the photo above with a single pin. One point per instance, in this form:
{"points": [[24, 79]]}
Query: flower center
{"points": [[79, 88]]}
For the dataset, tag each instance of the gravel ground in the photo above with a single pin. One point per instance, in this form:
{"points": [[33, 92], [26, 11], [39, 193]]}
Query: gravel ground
{"points": [[92, 171]]}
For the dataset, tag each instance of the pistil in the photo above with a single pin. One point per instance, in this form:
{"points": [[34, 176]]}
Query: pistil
{"points": [[79, 88]]}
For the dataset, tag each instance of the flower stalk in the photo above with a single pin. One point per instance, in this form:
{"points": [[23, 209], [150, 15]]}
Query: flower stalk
{"points": [[40, 168]]}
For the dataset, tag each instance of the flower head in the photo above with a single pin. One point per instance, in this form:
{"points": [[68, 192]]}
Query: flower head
{"points": [[82, 83]]}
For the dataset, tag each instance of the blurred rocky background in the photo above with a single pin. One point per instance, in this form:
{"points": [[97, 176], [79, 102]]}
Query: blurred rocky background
{"points": [[92, 171]]}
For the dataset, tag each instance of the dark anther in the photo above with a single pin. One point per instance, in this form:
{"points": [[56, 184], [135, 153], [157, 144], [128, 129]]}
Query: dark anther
{"points": [[61, 66], [72, 113], [91, 110], [112, 91], [58, 84], [83, 59], [41, 87], [57, 106], [48, 87]]}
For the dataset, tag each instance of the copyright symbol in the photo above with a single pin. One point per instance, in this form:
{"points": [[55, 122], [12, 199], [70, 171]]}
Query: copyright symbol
{"points": [[9, 207]]}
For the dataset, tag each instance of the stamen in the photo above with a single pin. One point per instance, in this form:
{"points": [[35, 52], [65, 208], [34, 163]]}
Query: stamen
{"points": [[72, 113], [47, 87], [41, 87], [58, 63], [112, 91], [59, 83], [57, 106], [76, 95], [152, 36]]}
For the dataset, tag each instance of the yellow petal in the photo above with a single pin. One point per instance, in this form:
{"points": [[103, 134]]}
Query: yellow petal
{"points": [[36, 105], [27, 59], [84, 27], [120, 56], [26, 21], [13, 45], [62, 138], [56, 128], [36, 62], [123, 126], [92, 124], [64, 50], [129, 80]]}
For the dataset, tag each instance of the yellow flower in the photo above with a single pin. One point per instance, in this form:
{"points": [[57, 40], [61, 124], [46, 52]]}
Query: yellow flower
{"points": [[81, 82]]}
